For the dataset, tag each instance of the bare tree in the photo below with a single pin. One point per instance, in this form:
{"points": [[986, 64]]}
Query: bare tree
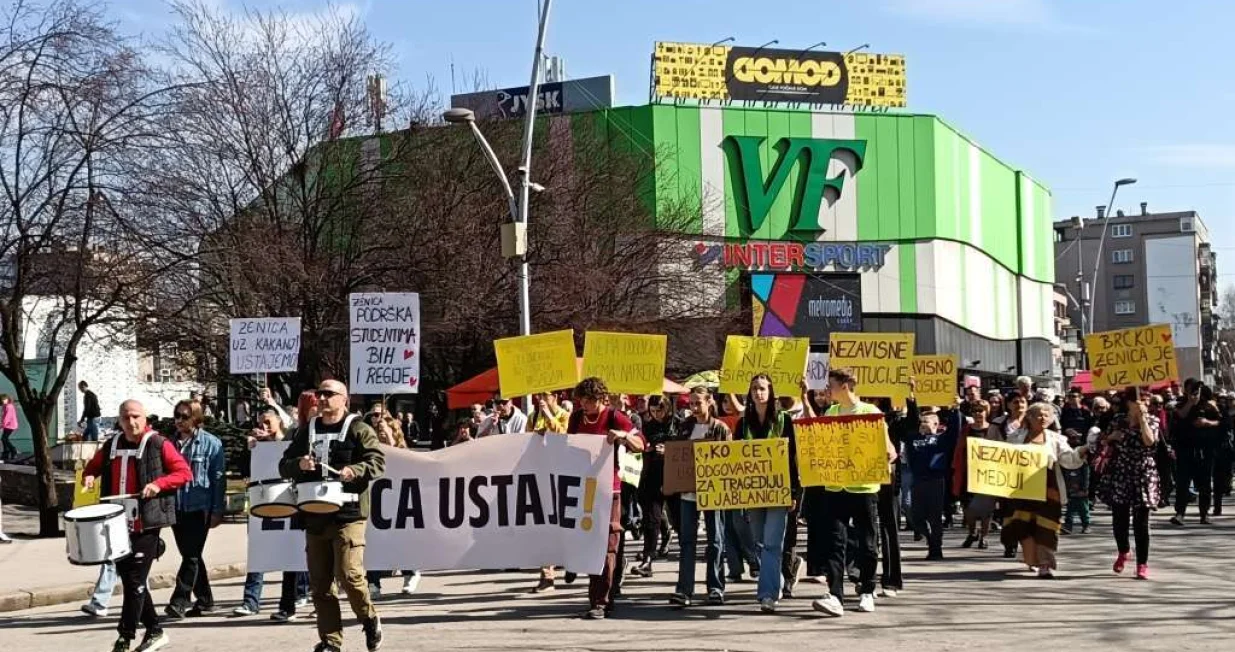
{"points": [[80, 117]]}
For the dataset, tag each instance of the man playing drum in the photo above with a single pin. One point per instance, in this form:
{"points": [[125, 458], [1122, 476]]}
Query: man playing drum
{"points": [[340, 447], [143, 464]]}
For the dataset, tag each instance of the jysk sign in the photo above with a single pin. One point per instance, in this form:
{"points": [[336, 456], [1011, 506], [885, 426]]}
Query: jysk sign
{"points": [[571, 96], [714, 72]]}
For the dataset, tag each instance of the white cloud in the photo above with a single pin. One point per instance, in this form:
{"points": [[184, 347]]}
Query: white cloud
{"points": [[1195, 155], [1016, 13]]}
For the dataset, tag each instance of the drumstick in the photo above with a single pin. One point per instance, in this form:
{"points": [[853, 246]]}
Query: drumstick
{"points": [[331, 469], [120, 497]]}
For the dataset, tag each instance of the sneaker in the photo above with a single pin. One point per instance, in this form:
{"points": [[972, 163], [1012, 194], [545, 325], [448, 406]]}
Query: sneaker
{"points": [[982, 545], [545, 585], [570, 577], [5, 540], [795, 575], [173, 613], [829, 605], [92, 609], [679, 599], [642, 570], [121, 645], [1142, 571], [768, 605], [411, 583], [595, 613], [1177, 521], [663, 549], [152, 641], [1120, 561], [244, 611], [890, 593], [372, 634], [197, 611], [735, 579], [716, 598], [1045, 573], [969, 541], [866, 603], [1084, 529], [325, 647], [302, 602], [283, 616]]}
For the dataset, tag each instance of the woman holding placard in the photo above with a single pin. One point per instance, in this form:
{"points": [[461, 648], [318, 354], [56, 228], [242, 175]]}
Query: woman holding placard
{"points": [[978, 507], [762, 418], [1130, 483], [1035, 524]]}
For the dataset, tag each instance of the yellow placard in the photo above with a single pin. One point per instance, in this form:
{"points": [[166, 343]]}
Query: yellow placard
{"points": [[783, 359], [842, 451], [81, 497], [1007, 470], [935, 376], [880, 361], [628, 363], [1131, 357], [536, 363], [742, 474]]}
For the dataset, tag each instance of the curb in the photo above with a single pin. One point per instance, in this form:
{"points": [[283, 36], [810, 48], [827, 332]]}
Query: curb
{"points": [[53, 595]]}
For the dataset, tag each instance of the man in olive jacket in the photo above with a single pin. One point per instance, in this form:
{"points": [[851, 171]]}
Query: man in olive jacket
{"points": [[334, 542]]}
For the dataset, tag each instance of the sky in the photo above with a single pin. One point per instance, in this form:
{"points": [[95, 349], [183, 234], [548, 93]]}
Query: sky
{"points": [[1077, 93]]}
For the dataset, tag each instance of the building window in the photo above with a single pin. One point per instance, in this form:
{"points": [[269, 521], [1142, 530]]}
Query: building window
{"points": [[1121, 231], [1124, 281], [1125, 307], [1121, 256]]}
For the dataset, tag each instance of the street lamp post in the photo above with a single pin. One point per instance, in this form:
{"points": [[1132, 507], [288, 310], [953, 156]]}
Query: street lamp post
{"points": [[1110, 210]]}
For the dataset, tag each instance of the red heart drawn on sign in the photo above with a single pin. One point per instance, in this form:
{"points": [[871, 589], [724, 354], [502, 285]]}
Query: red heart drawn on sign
{"points": [[700, 248], [1166, 337], [412, 382], [1097, 372], [408, 353]]}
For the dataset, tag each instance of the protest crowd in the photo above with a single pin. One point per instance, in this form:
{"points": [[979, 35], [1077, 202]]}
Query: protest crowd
{"points": [[1131, 451]]}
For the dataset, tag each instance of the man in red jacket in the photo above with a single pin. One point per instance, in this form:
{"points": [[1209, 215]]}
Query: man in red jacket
{"points": [[141, 463]]}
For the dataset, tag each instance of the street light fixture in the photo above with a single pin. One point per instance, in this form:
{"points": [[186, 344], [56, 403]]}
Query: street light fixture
{"points": [[468, 117], [1110, 210]]}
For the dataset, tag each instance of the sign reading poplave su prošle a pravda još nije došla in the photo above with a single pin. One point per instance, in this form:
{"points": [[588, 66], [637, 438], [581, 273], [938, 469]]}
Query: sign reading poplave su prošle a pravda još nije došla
{"points": [[842, 451], [264, 345], [385, 342]]}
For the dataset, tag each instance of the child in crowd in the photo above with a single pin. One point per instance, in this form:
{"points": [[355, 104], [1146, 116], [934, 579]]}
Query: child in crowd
{"points": [[1077, 481]]}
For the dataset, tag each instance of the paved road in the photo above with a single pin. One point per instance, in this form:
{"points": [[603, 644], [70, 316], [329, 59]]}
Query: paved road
{"points": [[973, 600]]}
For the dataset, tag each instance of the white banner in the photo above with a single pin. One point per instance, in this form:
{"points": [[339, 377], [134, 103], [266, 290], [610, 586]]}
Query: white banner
{"points": [[515, 501], [264, 345], [817, 371], [385, 336]]}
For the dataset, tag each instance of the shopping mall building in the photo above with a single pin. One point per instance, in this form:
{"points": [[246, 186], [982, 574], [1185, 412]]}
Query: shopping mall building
{"points": [[818, 222]]}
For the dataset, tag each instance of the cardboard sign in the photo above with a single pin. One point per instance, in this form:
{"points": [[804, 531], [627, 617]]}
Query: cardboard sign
{"points": [[1007, 470], [679, 468], [842, 451], [536, 363], [817, 371], [1132, 357], [627, 362], [783, 359], [630, 466], [880, 361], [742, 474], [264, 345], [935, 376], [385, 342], [81, 497]]}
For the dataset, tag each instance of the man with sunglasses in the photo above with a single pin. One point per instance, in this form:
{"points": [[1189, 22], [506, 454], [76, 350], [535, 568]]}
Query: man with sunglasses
{"points": [[334, 543], [199, 508], [506, 419]]}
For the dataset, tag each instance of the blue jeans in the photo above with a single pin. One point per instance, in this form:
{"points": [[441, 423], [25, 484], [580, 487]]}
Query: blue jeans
{"points": [[104, 586], [688, 532], [768, 527], [91, 432], [740, 545], [295, 587]]}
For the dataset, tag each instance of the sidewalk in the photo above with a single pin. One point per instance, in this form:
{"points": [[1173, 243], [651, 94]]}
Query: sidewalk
{"points": [[36, 572]]}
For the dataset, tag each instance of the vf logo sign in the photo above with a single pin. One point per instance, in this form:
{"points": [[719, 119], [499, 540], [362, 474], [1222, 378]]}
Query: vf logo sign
{"points": [[808, 159]]}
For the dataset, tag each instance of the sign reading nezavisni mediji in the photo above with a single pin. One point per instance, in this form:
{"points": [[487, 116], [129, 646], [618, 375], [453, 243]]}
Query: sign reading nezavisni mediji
{"points": [[842, 451], [385, 342], [517, 501], [1132, 357], [783, 359], [264, 345], [1007, 470], [722, 72]]}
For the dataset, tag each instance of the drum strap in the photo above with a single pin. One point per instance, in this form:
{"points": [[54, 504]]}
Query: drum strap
{"points": [[125, 456], [320, 444]]}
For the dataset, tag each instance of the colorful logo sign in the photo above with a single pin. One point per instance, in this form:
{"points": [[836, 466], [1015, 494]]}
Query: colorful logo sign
{"points": [[718, 72], [794, 256], [806, 305], [756, 193]]}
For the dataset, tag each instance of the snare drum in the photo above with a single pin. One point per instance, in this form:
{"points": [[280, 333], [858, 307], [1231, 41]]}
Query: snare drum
{"points": [[321, 497], [97, 534], [272, 498]]}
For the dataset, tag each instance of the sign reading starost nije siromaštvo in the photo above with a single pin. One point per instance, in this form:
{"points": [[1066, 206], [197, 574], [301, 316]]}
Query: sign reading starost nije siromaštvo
{"points": [[1132, 357], [783, 359], [385, 342]]}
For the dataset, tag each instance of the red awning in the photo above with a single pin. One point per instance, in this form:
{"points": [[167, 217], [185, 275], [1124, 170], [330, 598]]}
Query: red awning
{"points": [[483, 386], [1083, 380]]}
